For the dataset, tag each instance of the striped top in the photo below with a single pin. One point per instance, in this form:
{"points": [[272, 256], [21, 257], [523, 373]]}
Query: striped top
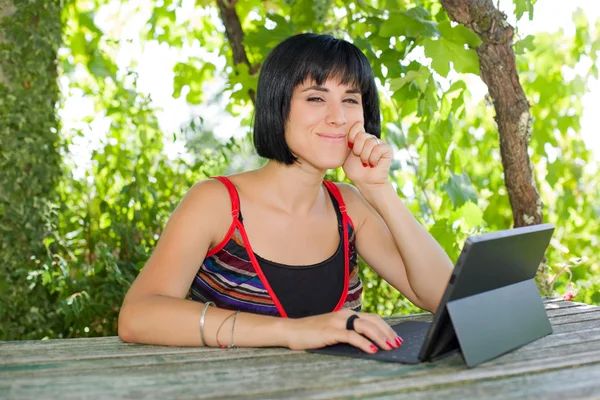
{"points": [[232, 278]]}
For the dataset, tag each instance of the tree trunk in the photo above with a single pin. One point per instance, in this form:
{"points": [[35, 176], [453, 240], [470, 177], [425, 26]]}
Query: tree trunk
{"points": [[235, 37], [498, 71]]}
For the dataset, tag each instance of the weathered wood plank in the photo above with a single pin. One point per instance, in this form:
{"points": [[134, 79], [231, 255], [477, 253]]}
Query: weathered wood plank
{"points": [[108, 368], [17, 370], [118, 351], [560, 303], [576, 317], [101, 353], [426, 382], [578, 309], [565, 384], [336, 375], [57, 350], [576, 326]]}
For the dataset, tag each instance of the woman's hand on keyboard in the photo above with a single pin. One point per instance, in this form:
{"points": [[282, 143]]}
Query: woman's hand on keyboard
{"points": [[370, 332]]}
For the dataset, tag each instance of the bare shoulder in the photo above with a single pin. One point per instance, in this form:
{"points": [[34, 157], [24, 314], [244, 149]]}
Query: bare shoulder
{"points": [[207, 204], [208, 192], [356, 204]]}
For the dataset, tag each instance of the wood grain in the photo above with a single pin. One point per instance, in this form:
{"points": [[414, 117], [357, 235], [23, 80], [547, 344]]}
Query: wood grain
{"points": [[564, 364]]}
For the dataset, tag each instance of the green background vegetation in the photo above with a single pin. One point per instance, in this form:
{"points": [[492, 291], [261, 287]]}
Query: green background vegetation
{"points": [[70, 246]]}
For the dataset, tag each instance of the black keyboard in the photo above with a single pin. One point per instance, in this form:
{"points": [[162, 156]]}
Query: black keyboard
{"points": [[412, 333]]}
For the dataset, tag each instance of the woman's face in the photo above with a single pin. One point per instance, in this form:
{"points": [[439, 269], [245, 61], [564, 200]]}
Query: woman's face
{"points": [[319, 121]]}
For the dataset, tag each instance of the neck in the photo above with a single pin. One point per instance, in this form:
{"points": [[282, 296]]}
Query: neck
{"points": [[295, 189]]}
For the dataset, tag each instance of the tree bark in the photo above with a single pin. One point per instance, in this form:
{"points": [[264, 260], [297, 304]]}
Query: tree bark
{"points": [[498, 71], [235, 36]]}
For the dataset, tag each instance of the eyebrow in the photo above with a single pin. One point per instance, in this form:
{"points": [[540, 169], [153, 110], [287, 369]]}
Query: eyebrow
{"points": [[324, 89]]}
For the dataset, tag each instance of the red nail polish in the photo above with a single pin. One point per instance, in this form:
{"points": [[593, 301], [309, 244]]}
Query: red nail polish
{"points": [[389, 344], [399, 341], [371, 165], [364, 165], [351, 145], [374, 349]]}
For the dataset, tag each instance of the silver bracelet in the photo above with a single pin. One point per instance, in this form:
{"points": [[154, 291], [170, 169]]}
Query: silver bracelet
{"points": [[202, 321], [233, 346]]}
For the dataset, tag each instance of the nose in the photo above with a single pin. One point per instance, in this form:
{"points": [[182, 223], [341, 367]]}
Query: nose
{"points": [[336, 115]]}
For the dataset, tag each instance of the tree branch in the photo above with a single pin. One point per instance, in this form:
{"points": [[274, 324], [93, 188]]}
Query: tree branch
{"points": [[235, 36], [499, 72]]}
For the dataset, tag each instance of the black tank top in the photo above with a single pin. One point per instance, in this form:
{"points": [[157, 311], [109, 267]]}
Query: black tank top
{"points": [[323, 281]]}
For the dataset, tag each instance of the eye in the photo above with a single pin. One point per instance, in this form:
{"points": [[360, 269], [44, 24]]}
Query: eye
{"points": [[352, 100], [315, 99]]}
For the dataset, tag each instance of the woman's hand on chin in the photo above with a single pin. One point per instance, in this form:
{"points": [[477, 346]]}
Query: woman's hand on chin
{"points": [[369, 159]]}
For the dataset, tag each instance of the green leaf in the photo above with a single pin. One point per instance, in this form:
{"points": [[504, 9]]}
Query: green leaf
{"points": [[443, 233], [398, 83], [523, 6], [525, 44], [87, 20], [459, 189], [471, 214], [394, 132], [78, 46], [411, 23], [442, 51], [459, 34]]}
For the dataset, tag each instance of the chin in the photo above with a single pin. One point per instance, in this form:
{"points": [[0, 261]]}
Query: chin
{"points": [[324, 160], [331, 163]]}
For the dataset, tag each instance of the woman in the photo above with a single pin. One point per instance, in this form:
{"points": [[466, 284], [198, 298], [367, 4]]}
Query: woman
{"points": [[240, 253]]}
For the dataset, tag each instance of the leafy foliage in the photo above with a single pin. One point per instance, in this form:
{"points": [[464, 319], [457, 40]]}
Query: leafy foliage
{"points": [[29, 164], [447, 170]]}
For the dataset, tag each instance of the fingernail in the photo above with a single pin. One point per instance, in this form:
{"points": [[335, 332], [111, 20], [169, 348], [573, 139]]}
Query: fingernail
{"points": [[374, 349], [371, 165], [364, 165], [399, 341], [351, 145], [390, 345]]}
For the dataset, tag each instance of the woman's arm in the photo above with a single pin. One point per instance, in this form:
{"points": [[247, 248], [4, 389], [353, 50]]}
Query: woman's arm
{"points": [[399, 249], [155, 310], [392, 242]]}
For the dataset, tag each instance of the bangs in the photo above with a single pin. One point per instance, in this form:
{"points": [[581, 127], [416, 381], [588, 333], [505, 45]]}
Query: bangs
{"points": [[333, 59]]}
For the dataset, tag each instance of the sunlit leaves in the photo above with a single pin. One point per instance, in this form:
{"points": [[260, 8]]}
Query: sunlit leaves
{"points": [[192, 75], [525, 44], [459, 189], [450, 47], [448, 167], [415, 22], [524, 6]]}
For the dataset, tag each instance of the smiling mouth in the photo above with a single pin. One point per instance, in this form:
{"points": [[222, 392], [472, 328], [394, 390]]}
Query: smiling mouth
{"points": [[333, 137]]}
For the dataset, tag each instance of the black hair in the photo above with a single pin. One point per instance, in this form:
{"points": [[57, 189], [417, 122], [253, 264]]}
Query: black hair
{"points": [[289, 64]]}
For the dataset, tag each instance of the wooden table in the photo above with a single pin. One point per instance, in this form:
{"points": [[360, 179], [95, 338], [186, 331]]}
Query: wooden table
{"points": [[564, 365]]}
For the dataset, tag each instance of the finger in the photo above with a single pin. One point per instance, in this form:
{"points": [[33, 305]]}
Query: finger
{"points": [[387, 330], [363, 146], [374, 332], [357, 340], [379, 151], [355, 129]]}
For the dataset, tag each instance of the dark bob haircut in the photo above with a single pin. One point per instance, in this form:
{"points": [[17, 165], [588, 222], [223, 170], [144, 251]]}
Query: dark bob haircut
{"points": [[290, 63]]}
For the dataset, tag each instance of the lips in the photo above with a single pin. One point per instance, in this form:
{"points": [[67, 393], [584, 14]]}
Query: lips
{"points": [[333, 137]]}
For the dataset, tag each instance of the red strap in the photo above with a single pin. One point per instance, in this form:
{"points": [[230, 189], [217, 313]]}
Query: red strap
{"points": [[233, 195], [332, 187], [235, 210], [336, 193]]}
